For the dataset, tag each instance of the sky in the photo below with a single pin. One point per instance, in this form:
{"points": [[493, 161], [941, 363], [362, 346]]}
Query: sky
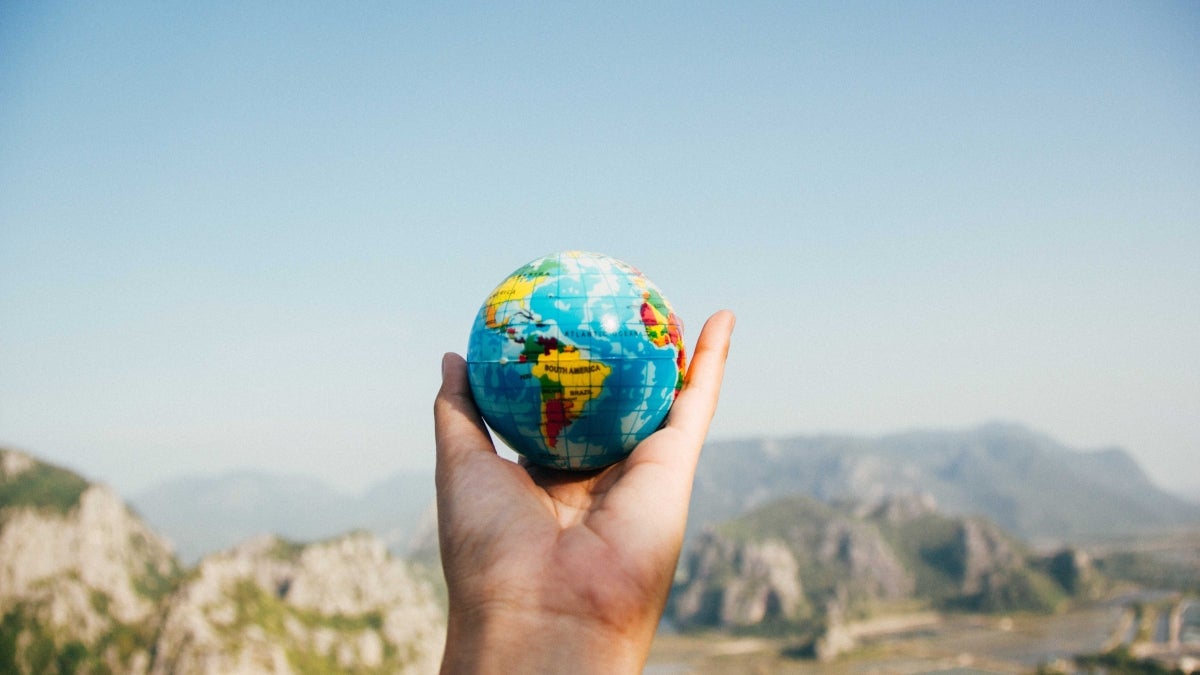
{"points": [[241, 235]]}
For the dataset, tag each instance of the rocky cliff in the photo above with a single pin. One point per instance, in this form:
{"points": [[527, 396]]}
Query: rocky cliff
{"points": [[86, 586], [271, 606], [796, 562], [81, 577]]}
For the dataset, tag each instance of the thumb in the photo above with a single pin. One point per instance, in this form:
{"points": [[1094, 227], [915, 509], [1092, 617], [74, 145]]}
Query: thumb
{"points": [[458, 427]]}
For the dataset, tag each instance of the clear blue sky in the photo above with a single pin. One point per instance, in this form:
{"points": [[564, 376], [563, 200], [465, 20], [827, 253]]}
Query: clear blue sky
{"points": [[242, 236]]}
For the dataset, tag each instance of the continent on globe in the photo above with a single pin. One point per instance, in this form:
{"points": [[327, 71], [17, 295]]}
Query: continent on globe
{"points": [[567, 386], [513, 294], [663, 328], [574, 359]]}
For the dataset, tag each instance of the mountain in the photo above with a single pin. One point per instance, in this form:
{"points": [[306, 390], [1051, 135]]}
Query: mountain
{"points": [[269, 605], [1026, 482], [806, 567], [203, 514], [87, 586], [81, 578]]}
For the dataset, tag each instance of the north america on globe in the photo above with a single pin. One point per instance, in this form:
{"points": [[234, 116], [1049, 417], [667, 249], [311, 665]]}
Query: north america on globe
{"points": [[574, 359]]}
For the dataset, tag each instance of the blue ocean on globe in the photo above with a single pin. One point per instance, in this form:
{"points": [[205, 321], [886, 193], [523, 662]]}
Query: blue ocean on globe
{"points": [[574, 359]]}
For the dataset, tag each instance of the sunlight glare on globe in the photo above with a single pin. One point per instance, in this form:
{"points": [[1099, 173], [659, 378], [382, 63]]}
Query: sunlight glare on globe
{"points": [[574, 359]]}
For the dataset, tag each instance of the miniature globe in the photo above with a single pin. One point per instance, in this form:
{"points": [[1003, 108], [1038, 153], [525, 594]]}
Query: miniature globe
{"points": [[574, 359]]}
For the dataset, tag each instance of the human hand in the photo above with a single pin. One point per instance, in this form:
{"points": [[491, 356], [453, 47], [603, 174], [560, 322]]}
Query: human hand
{"points": [[551, 570]]}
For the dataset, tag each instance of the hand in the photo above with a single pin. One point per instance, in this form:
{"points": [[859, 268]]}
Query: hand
{"points": [[558, 571]]}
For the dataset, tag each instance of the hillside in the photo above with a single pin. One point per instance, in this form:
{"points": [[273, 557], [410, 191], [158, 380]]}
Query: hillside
{"points": [[1026, 482], [81, 578], [270, 605], [86, 586], [805, 567]]}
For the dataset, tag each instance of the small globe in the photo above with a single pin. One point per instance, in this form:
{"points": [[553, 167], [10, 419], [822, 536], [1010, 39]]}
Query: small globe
{"points": [[574, 359]]}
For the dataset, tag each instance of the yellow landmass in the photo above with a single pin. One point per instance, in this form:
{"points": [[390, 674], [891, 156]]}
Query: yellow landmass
{"points": [[580, 379], [516, 288]]}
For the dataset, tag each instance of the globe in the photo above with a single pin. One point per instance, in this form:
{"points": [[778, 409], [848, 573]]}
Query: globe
{"points": [[574, 359]]}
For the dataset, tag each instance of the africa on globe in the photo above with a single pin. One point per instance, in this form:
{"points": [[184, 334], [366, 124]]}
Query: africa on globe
{"points": [[574, 359]]}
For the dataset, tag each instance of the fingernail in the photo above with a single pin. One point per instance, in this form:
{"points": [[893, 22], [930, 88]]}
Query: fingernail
{"points": [[445, 364]]}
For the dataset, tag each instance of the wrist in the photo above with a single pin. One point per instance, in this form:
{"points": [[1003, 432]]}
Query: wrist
{"points": [[516, 641]]}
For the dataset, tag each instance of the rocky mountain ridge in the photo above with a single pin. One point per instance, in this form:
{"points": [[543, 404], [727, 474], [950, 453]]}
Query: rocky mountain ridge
{"points": [[86, 586], [271, 606], [806, 567], [1026, 482], [75, 564]]}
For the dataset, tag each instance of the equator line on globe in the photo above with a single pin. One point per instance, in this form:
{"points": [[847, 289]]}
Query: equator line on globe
{"points": [[574, 359]]}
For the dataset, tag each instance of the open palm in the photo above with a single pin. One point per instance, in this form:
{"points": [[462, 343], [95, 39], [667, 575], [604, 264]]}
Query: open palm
{"points": [[582, 559]]}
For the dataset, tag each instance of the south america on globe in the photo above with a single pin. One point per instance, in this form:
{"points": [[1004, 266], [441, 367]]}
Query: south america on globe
{"points": [[574, 359]]}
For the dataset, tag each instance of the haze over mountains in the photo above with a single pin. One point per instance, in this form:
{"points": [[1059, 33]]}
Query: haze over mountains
{"points": [[1026, 482], [203, 514]]}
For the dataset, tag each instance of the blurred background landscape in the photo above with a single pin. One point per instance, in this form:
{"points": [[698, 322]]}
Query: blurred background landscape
{"points": [[959, 427]]}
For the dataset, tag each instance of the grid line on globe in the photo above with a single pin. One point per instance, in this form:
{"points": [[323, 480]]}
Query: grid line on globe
{"points": [[574, 359]]}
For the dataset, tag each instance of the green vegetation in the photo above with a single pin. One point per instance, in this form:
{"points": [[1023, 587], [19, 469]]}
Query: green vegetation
{"points": [[29, 647], [284, 549], [864, 565], [1151, 571], [801, 522], [930, 548], [1022, 589], [1120, 662], [153, 585], [126, 640], [43, 486], [789, 518], [100, 601], [257, 607]]}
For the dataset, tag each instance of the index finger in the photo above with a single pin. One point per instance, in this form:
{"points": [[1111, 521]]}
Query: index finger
{"points": [[693, 410]]}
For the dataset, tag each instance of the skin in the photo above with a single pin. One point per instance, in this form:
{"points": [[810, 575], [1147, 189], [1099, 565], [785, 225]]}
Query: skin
{"points": [[556, 571]]}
